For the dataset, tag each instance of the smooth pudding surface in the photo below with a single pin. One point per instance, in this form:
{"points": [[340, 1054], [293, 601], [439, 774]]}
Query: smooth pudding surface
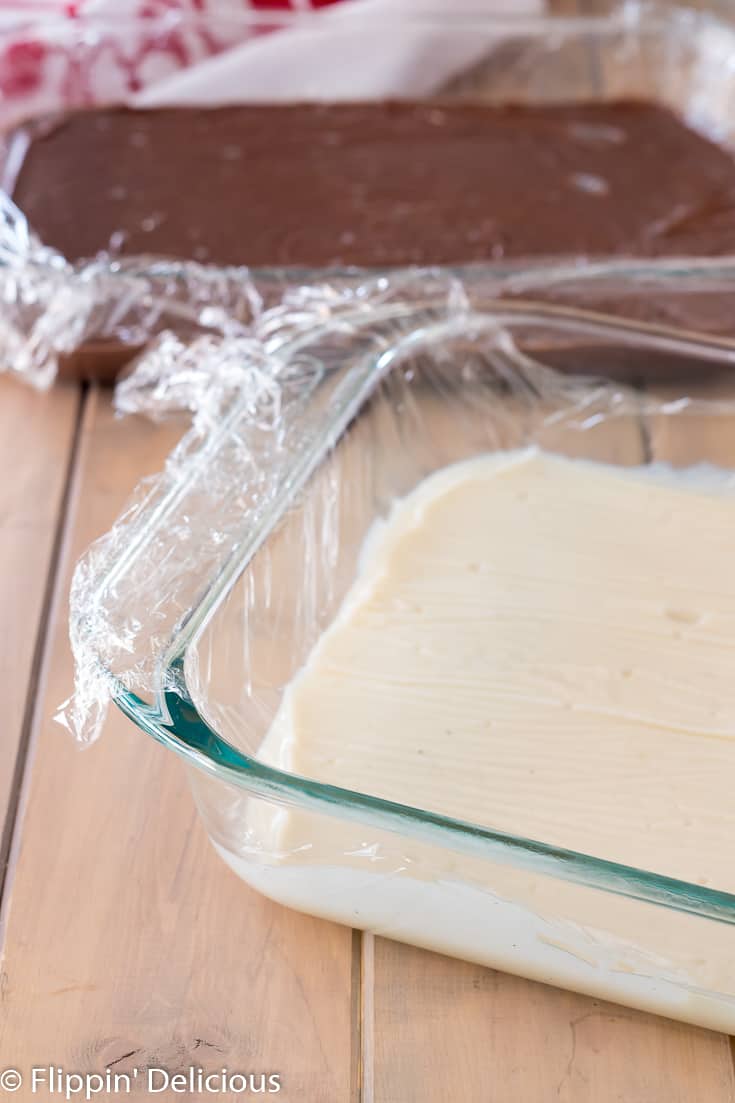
{"points": [[543, 646]]}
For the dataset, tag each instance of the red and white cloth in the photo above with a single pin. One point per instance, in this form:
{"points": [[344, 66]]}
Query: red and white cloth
{"points": [[75, 53]]}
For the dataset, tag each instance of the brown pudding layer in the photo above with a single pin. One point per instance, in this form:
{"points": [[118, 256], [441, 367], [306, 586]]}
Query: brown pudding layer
{"points": [[381, 184]]}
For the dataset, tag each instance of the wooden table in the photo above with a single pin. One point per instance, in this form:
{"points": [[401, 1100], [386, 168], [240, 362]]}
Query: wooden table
{"points": [[128, 943]]}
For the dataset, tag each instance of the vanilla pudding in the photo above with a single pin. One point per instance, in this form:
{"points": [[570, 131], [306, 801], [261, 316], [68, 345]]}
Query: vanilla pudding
{"points": [[544, 647]]}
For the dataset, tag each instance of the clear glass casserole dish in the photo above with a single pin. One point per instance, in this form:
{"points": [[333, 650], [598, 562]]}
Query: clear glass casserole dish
{"points": [[199, 608], [673, 56]]}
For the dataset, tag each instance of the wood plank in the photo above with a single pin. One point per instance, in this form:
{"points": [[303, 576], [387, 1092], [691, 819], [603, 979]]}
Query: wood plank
{"points": [[450, 1030], [510, 67], [128, 940], [36, 437], [445, 1029], [564, 7]]}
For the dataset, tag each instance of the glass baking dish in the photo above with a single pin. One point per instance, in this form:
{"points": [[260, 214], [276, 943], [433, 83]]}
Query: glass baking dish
{"points": [[674, 56], [205, 600]]}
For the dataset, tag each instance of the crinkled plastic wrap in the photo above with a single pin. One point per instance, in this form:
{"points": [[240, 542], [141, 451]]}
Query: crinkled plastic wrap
{"points": [[269, 400], [199, 608], [50, 308]]}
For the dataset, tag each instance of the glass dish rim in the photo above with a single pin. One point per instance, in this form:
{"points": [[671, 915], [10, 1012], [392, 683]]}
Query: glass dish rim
{"points": [[174, 720], [628, 14]]}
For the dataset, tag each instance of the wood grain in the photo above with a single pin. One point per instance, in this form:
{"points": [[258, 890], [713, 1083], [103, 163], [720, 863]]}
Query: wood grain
{"points": [[128, 940], [36, 437], [443, 1029], [447, 1030]]}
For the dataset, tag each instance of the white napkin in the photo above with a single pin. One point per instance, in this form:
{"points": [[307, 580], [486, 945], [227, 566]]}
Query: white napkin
{"points": [[55, 54], [391, 55]]}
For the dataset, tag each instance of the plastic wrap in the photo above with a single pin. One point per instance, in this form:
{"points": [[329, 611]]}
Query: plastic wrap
{"points": [[50, 308], [270, 401], [200, 607]]}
